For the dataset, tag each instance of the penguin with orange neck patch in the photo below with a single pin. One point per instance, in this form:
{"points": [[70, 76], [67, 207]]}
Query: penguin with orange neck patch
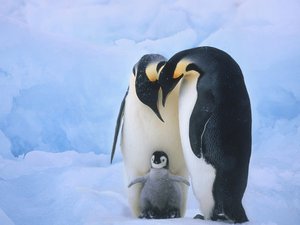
{"points": [[215, 127], [145, 126]]}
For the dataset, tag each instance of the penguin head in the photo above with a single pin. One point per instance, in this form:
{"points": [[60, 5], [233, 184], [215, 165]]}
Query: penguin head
{"points": [[146, 72], [175, 69], [159, 160]]}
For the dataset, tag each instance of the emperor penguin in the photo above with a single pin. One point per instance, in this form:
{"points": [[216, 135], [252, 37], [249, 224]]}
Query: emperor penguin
{"points": [[146, 126], [215, 128], [161, 191]]}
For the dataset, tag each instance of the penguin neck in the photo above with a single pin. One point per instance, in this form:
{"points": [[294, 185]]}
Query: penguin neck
{"points": [[187, 99], [188, 87], [132, 85], [191, 75], [169, 113], [155, 172]]}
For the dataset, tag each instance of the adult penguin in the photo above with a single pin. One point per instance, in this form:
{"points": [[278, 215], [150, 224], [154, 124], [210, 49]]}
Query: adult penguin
{"points": [[215, 128], [144, 130]]}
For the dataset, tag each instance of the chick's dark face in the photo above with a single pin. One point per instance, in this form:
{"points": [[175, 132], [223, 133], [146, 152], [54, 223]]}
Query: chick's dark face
{"points": [[159, 160]]}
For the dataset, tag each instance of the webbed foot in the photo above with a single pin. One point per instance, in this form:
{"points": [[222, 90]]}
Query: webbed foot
{"points": [[175, 213]]}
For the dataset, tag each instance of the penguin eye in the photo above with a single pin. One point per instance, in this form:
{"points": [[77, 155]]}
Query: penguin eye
{"points": [[152, 159], [163, 159]]}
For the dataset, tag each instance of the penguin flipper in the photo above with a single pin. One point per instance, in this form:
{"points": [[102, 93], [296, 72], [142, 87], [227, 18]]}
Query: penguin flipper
{"points": [[179, 179], [200, 118], [138, 180], [118, 125]]}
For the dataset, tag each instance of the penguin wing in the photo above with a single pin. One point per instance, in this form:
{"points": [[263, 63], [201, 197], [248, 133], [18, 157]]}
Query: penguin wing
{"points": [[179, 179], [200, 118], [142, 179], [118, 125]]}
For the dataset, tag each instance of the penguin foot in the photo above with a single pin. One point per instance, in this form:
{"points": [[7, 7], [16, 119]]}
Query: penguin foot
{"points": [[173, 214], [236, 213], [220, 217], [199, 216], [149, 214], [142, 215], [153, 213]]}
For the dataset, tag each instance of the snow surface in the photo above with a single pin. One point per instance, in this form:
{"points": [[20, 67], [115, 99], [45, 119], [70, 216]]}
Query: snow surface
{"points": [[64, 68]]}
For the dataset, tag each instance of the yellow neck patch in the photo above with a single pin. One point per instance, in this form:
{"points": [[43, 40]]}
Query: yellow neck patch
{"points": [[151, 72], [181, 68]]}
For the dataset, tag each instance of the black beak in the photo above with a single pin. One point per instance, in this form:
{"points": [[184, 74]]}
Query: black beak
{"points": [[156, 111], [167, 85], [164, 96], [147, 92]]}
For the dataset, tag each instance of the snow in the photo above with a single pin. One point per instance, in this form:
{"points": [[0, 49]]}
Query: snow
{"points": [[83, 188], [64, 68]]}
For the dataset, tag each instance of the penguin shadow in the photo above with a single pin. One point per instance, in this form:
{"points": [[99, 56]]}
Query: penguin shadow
{"points": [[161, 192]]}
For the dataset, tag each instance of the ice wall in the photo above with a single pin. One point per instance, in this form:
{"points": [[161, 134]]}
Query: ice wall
{"points": [[65, 65]]}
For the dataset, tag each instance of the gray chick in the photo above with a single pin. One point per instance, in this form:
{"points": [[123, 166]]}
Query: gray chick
{"points": [[161, 192]]}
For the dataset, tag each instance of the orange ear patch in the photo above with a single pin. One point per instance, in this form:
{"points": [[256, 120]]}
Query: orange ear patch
{"points": [[181, 68], [151, 72]]}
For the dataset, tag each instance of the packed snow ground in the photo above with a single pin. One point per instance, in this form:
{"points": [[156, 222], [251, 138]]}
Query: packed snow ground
{"points": [[83, 188], [64, 68]]}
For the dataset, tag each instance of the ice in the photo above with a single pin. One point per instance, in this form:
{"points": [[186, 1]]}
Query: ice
{"points": [[83, 188], [64, 69]]}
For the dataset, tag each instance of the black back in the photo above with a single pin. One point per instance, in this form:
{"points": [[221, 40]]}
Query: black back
{"points": [[220, 123], [222, 113]]}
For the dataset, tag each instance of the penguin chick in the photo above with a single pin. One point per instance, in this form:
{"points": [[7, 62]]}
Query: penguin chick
{"points": [[161, 194]]}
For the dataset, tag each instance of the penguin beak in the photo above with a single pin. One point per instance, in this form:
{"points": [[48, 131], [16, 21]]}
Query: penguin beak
{"points": [[151, 100], [147, 92], [164, 96], [156, 111], [167, 84], [154, 107]]}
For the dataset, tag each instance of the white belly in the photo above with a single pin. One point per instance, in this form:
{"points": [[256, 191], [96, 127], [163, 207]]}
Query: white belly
{"points": [[142, 134], [202, 174]]}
